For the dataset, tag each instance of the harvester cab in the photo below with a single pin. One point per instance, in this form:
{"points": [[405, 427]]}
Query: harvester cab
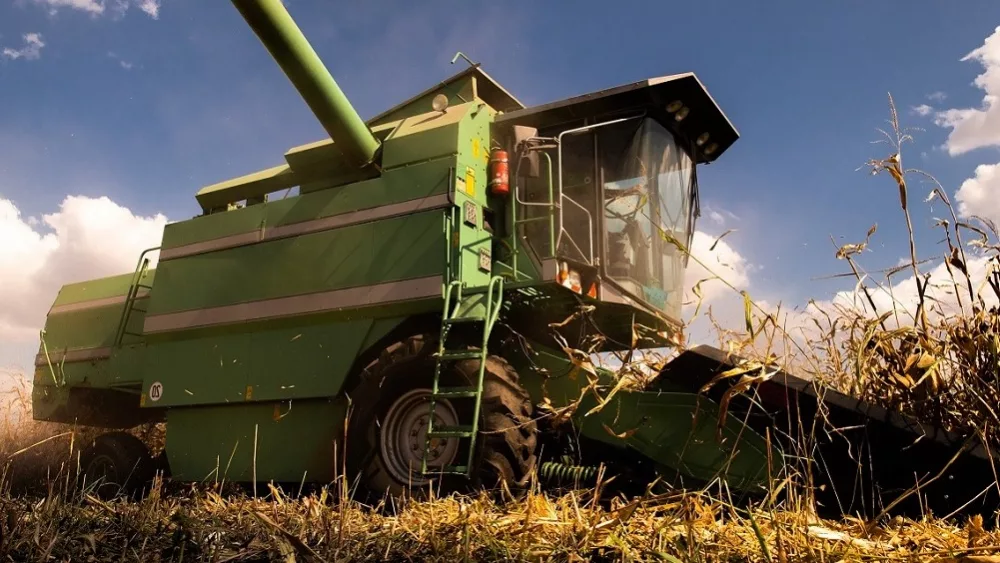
{"points": [[424, 308], [605, 195]]}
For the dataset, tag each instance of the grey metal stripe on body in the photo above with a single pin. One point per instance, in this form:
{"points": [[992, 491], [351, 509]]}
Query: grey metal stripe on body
{"points": [[95, 303], [307, 227], [296, 305], [82, 355]]}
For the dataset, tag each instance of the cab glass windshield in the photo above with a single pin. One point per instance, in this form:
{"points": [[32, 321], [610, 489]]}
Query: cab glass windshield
{"points": [[625, 187], [647, 183]]}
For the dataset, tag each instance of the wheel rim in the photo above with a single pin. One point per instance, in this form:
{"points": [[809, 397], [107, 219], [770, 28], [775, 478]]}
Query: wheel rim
{"points": [[403, 436]]}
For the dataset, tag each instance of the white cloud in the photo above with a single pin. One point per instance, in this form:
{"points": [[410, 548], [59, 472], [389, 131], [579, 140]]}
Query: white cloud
{"points": [[714, 268], [86, 238], [980, 195], [32, 48], [937, 97], [923, 110], [946, 293], [720, 272], [92, 6], [974, 128], [122, 62], [718, 317], [718, 215], [151, 7], [101, 7]]}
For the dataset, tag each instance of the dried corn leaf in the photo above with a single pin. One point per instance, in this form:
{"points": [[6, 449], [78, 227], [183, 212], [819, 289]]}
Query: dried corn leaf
{"points": [[620, 435], [745, 383], [712, 248], [744, 367], [748, 313]]}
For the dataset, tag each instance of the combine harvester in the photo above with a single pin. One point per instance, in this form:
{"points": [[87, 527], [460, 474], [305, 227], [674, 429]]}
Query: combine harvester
{"points": [[394, 319]]}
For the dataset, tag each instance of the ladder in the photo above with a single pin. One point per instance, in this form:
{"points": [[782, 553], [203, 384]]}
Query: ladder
{"points": [[133, 295], [456, 313]]}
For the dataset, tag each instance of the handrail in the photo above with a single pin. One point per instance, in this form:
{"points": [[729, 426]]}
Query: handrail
{"points": [[493, 308], [551, 204], [130, 297], [590, 230]]}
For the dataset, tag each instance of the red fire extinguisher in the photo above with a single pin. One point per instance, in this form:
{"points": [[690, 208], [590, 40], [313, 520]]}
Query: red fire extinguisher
{"points": [[500, 173]]}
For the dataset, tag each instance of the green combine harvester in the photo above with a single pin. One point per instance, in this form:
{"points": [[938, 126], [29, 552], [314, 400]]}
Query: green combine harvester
{"points": [[419, 310]]}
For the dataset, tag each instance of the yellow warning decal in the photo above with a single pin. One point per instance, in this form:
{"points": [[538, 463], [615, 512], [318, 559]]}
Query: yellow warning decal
{"points": [[475, 147], [470, 182]]}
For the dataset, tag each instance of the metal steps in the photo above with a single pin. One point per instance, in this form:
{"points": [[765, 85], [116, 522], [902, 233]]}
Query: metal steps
{"points": [[454, 301]]}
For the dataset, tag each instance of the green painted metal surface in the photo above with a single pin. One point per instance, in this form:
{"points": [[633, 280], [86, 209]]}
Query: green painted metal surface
{"points": [[398, 248], [91, 290], [457, 92], [285, 441], [95, 373], [681, 432], [677, 430], [394, 186], [84, 329], [82, 325], [261, 365], [47, 400]]}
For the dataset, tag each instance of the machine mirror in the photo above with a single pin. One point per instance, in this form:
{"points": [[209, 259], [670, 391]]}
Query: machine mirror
{"points": [[528, 166]]}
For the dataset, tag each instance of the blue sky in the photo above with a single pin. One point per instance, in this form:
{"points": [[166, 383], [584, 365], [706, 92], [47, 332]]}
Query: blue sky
{"points": [[144, 102]]}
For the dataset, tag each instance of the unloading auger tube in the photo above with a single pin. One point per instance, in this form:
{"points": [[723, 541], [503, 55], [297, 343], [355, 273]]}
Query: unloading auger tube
{"points": [[276, 29]]}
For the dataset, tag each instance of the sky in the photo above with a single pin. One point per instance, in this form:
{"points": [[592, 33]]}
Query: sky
{"points": [[115, 112]]}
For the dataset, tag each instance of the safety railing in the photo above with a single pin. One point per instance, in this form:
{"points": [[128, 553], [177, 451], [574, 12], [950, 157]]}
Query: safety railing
{"points": [[133, 292]]}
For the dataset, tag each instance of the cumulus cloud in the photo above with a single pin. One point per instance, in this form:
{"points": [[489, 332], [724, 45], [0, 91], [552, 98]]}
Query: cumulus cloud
{"points": [[941, 294], [715, 268], [716, 274], [973, 128], [923, 110], [980, 195], [85, 238], [31, 48]]}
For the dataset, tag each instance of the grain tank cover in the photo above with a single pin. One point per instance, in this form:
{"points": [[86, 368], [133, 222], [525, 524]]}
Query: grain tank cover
{"points": [[679, 99], [471, 83]]}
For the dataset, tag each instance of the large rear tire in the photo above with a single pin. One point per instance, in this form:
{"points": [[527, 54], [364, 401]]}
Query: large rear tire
{"points": [[388, 422]]}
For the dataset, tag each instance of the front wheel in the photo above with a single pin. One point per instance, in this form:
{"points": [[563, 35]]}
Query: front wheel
{"points": [[391, 408]]}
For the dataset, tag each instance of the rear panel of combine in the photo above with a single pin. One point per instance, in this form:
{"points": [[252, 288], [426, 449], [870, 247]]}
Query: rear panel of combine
{"points": [[260, 313], [87, 367]]}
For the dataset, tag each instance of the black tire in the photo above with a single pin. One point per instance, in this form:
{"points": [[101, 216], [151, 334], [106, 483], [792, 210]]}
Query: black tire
{"points": [[508, 435], [116, 463]]}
